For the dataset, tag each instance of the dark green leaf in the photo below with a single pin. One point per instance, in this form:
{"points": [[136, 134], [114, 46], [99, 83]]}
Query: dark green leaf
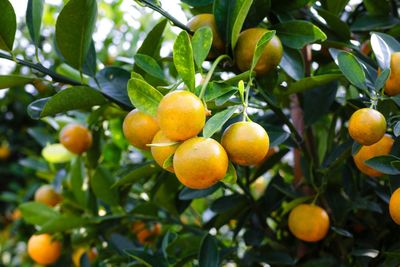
{"points": [[77, 180], [383, 164], [197, 3], [144, 96], [77, 97], [188, 194], [335, 24], [342, 232], [209, 254], [383, 46], [335, 6], [8, 25], [369, 23], [216, 122], [352, 69], [296, 34], [396, 129], [9, 81], [74, 28], [34, 13], [37, 213], [101, 184], [63, 223], [370, 253], [141, 172], [149, 65], [183, 59], [381, 80], [201, 42], [237, 19], [312, 82], [260, 47], [258, 11], [293, 63]]}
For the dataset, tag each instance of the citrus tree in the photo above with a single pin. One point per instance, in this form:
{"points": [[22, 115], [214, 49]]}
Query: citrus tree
{"points": [[259, 133]]}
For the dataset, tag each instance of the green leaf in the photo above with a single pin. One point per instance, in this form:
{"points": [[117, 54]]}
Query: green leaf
{"points": [[183, 59], [383, 164], [63, 223], [188, 193], [293, 63], [238, 17], [383, 46], [34, 13], [149, 65], [37, 213], [144, 96], [74, 28], [216, 122], [77, 179], [231, 175], [342, 232], [197, 3], [139, 173], [352, 69], [260, 47], [381, 80], [209, 254], [9, 81], [101, 184], [8, 25], [77, 97], [396, 129], [311, 82], [168, 161], [365, 22], [370, 253], [335, 6], [335, 24], [201, 42], [297, 33]]}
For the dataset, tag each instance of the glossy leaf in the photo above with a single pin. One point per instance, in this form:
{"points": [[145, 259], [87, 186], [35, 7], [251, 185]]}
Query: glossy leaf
{"points": [[297, 33], [293, 63], [335, 6], [231, 175], [260, 47], [383, 46], [335, 24], [101, 184], [74, 29], [8, 25], [188, 194], [237, 19], [383, 164], [34, 13], [77, 180], [63, 223], [37, 213], [141, 172], [312, 82], [201, 42], [381, 80], [183, 59], [149, 65], [77, 97], [144, 96], [209, 254], [352, 69], [9, 81], [215, 123]]}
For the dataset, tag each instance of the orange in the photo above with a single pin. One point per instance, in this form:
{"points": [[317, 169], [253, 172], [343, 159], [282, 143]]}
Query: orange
{"points": [[208, 20], [139, 129], [382, 147], [181, 115], [76, 138], [16, 215], [4, 152], [43, 249], [309, 222], [78, 253], [200, 162], [47, 195], [367, 126], [246, 143], [161, 153], [392, 86], [394, 206], [144, 234], [245, 48]]}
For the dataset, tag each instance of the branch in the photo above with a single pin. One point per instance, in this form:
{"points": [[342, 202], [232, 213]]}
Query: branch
{"points": [[158, 9], [39, 67]]}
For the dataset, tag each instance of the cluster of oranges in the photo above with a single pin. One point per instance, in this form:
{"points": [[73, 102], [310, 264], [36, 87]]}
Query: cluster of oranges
{"points": [[198, 162]]}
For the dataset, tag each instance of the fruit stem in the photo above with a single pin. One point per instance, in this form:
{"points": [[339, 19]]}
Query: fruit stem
{"points": [[246, 101], [209, 75]]}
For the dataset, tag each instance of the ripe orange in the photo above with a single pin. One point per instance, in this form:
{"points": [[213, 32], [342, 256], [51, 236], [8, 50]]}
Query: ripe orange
{"points": [[43, 250], [309, 222], [4, 152], [76, 138], [78, 253], [139, 129], [392, 86], [245, 48], [181, 115], [160, 154], [382, 147], [367, 126], [16, 215], [208, 20], [47, 195], [246, 143], [200, 162], [144, 234], [394, 206]]}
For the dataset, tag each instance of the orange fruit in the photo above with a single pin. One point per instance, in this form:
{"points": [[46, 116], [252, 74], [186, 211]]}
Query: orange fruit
{"points": [[47, 195], [367, 126], [144, 234], [181, 115], [309, 222], [382, 147], [161, 153], [43, 249], [16, 215], [76, 138], [246, 143], [78, 253], [245, 48], [139, 129], [4, 152], [392, 86], [208, 20], [394, 206], [366, 48], [200, 162]]}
